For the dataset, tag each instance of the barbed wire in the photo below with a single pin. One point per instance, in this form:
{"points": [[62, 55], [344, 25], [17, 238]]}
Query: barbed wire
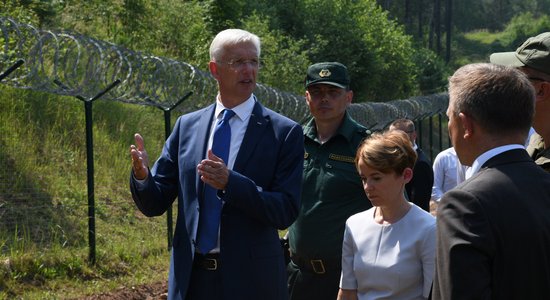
{"points": [[68, 63]]}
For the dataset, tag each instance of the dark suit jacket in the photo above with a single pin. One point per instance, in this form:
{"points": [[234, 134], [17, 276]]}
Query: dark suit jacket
{"points": [[493, 233], [419, 189], [262, 195]]}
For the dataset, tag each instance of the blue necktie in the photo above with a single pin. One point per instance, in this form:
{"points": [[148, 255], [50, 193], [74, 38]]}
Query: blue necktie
{"points": [[210, 212]]}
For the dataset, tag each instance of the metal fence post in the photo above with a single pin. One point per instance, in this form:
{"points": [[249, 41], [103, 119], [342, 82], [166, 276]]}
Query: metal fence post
{"points": [[90, 164], [167, 131]]}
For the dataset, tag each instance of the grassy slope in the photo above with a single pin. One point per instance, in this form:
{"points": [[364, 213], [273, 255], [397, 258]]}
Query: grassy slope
{"points": [[475, 46], [43, 198]]}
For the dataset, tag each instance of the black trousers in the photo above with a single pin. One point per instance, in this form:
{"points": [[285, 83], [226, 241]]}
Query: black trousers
{"points": [[205, 283], [304, 284]]}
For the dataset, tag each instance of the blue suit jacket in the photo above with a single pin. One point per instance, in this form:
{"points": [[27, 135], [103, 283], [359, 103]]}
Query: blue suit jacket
{"points": [[261, 196]]}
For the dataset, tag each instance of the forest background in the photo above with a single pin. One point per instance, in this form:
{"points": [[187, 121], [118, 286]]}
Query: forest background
{"points": [[394, 50]]}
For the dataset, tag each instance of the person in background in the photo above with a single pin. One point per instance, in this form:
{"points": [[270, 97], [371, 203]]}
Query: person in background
{"points": [[419, 189], [331, 188], [448, 173], [389, 250], [236, 168], [533, 59], [530, 134], [493, 235]]}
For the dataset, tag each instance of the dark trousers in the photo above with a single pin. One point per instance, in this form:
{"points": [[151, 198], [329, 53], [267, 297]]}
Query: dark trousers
{"points": [[205, 283], [305, 284]]}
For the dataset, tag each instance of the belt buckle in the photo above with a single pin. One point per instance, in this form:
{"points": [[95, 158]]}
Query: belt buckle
{"points": [[211, 264], [318, 266]]}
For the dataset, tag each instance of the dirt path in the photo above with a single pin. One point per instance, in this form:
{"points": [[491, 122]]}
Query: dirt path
{"points": [[156, 291]]}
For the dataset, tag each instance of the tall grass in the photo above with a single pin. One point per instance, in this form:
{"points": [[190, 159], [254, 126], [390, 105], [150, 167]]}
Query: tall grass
{"points": [[43, 198]]}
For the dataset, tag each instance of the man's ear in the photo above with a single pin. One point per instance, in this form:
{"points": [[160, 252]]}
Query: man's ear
{"points": [[213, 67], [543, 91], [307, 97], [467, 124], [349, 97]]}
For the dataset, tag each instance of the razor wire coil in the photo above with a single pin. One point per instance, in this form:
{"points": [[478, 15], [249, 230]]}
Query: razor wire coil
{"points": [[68, 63]]}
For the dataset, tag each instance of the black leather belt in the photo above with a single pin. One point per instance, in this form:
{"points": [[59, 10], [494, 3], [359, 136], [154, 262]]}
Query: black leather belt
{"points": [[209, 262], [318, 265]]}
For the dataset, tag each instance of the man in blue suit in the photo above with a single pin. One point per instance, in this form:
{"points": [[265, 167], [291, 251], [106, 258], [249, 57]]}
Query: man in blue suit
{"points": [[257, 186]]}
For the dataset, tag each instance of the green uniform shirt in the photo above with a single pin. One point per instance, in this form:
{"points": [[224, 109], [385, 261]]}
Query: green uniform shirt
{"points": [[331, 191], [536, 150]]}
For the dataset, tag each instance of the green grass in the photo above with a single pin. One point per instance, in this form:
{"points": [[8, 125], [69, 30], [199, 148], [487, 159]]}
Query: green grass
{"points": [[43, 198], [475, 46], [484, 37]]}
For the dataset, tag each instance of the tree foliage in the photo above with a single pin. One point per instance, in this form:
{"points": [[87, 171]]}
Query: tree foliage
{"points": [[382, 58], [468, 15], [522, 27], [356, 33], [283, 59]]}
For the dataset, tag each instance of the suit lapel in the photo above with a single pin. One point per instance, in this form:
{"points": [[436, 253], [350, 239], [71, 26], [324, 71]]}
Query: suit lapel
{"points": [[202, 135], [254, 131]]}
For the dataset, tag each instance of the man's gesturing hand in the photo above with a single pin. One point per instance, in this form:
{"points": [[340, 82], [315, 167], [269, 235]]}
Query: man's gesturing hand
{"points": [[140, 159]]}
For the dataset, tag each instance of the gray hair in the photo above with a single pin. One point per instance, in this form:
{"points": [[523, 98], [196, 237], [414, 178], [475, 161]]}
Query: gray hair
{"points": [[499, 98], [231, 37]]}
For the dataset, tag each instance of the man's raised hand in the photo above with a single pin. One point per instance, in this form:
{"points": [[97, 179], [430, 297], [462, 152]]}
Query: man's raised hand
{"points": [[140, 159]]}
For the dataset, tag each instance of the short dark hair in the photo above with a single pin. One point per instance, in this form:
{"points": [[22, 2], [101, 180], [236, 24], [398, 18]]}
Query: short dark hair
{"points": [[499, 98], [403, 124]]}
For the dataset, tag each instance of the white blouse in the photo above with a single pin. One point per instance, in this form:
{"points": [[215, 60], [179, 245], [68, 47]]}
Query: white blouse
{"points": [[395, 261]]}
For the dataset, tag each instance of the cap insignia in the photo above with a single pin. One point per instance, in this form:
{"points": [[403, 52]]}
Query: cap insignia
{"points": [[324, 73]]}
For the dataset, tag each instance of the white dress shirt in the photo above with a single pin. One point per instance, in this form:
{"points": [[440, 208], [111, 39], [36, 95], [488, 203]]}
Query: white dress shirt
{"points": [[238, 125], [448, 172]]}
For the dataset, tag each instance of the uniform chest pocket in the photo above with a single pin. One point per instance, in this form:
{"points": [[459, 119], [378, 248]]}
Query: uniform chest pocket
{"points": [[341, 163], [341, 166]]}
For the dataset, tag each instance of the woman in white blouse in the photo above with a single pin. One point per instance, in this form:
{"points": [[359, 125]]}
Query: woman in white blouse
{"points": [[388, 250]]}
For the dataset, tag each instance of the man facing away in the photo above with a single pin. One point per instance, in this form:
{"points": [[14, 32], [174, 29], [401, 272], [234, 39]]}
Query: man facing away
{"points": [[419, 189], [332, 190], [493, 230], [533, 59], [235, 167]]}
